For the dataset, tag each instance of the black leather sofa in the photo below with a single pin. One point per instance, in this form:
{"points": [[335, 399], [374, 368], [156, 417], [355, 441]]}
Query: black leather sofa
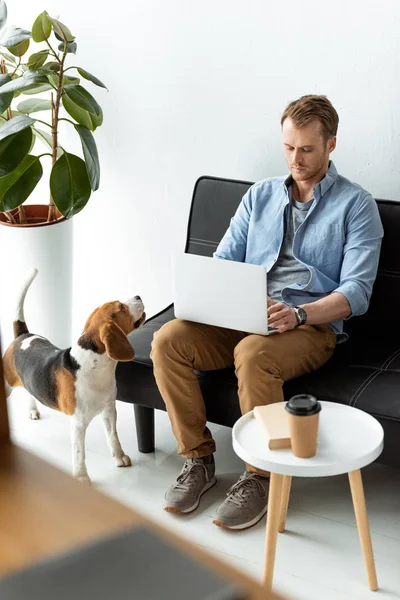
{"points": [[364, 371]]}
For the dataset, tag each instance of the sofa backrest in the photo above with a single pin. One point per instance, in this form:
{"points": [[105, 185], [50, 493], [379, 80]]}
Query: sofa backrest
{"points": [[215, 201]]}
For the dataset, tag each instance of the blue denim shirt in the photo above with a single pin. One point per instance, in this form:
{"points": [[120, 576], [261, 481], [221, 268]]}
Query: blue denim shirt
{"points": [[339, 241]]}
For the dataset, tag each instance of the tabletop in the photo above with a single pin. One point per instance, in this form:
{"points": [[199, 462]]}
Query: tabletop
{"points": [[348, 439]]}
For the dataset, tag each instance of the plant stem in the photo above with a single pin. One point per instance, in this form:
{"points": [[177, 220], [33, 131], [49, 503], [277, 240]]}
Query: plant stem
{"points": [[21, 210], [55, 109], [10, 217], [51, 212], [17, 67], [21, 214], [68, 120], [53, 52], [43, 122]]}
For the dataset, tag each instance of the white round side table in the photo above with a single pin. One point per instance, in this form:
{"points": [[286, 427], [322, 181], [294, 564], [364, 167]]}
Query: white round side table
{"points": [[348, 439]]}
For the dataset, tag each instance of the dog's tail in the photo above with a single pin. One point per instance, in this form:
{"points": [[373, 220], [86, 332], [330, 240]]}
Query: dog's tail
{"points": [[19, 322]]}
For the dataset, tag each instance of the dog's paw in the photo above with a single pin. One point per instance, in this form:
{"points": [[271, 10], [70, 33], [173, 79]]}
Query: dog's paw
{"points": [[83, 479], [34, 414], [123, 461]]}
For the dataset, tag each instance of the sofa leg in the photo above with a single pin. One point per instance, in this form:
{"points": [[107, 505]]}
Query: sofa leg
{"points": [[144, 417]]}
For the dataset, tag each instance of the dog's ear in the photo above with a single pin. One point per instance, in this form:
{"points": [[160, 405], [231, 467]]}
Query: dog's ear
{"points": [[116, 343]]}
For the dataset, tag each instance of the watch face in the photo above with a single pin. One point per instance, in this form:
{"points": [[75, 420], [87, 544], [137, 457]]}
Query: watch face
{"points": [[302, 314]]}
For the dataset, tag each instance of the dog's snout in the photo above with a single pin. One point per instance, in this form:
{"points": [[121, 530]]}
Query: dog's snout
{"points": [[137, 298]]}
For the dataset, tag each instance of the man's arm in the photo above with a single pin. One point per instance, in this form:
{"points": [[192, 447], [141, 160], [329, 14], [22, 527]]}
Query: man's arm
{"points": [[360, 264], [329, 309], [233, 244], [364, 233]]}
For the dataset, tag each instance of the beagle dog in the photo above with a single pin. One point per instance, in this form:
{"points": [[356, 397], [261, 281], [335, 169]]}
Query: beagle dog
{"points": [[78, 381]]}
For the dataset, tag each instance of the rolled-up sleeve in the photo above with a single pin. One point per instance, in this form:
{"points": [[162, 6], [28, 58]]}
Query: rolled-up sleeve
{"points": [[233, 244], [364, 234]]}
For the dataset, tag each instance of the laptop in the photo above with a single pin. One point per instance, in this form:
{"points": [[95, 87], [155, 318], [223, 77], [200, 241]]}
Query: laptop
{"points": [[220, 292]]}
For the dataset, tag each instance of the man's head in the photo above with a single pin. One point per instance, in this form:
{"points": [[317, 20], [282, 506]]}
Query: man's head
{"points": [[309, 127]]}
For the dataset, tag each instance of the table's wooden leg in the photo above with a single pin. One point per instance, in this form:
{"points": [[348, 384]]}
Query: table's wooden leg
{"points": [[274, 505], [360, 509], [286, 484]]}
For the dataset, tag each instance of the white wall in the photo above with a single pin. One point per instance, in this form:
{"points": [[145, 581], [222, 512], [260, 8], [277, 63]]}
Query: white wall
{"points": [[198, 88]]}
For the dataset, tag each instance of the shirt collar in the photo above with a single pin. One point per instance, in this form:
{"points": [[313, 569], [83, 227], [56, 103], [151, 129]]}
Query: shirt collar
{"points": [[323, 186]]}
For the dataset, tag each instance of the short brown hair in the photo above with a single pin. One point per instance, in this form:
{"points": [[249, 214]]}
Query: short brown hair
{"points": [[312, 107]]}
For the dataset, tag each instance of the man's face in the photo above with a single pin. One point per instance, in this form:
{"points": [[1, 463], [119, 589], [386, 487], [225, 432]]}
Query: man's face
{"points": [[307, 152]]}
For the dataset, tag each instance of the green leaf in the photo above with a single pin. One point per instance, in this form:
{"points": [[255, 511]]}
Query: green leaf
{"points": [[82, 98], [53, 67], [13, 150], [67, 80], [14, 125], [20, 183], [79, 114], [28, 80], [20, 49], [71, 47], [69, 184], [36, 89], [41, 29], [90, 77], [38, 59], [8, 57], [13, 36], [45, 137], [5, 99], [3, 14], [97, 121], [61, 30], [53, 78], [33, 105], [32, 142], [91, 156]]}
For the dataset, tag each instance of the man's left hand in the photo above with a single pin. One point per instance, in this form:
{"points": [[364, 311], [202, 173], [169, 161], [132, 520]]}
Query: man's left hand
{"points": [[282, 316]]}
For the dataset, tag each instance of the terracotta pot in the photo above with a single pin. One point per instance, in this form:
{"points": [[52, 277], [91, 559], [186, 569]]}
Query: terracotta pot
{"points": [[36, 216]]}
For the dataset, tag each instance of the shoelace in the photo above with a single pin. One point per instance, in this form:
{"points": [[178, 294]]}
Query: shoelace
{"points": [[239, 493], [184, 476]]}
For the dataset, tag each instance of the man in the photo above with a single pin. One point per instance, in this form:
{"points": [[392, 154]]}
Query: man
{"points": [[318, 235]]}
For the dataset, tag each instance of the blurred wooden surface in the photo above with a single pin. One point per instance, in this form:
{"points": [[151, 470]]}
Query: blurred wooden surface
{"points": [[44, 511], [4, 430]]}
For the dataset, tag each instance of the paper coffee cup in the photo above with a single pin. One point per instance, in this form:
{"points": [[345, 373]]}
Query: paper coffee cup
{"points": [[303, 416]]}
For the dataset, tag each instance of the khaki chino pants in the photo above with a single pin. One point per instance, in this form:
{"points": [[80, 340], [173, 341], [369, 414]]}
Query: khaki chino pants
{"points": [[262, 364]]}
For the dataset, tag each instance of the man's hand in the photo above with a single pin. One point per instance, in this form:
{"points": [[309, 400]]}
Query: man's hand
{"points": [[281, 316]]}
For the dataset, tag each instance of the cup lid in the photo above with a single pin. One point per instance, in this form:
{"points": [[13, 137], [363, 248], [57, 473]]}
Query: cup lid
{"points": [[303, 405]]}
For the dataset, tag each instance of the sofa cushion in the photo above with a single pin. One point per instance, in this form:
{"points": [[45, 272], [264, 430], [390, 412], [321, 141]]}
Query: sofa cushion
{"points": [[141, 338], [364, 372]]}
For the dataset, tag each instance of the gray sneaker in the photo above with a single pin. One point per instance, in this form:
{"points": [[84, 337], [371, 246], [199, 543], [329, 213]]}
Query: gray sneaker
{"points": [[246, 503], [195, 478]]}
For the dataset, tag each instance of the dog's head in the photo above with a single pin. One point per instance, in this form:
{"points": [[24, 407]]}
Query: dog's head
{"points": [[107, 328]]}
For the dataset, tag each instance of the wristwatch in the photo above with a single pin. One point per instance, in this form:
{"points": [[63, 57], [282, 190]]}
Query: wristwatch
{"points": [[301, 315]]}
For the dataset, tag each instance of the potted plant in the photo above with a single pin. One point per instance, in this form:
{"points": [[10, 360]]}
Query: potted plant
{"points": [[37, 92]]}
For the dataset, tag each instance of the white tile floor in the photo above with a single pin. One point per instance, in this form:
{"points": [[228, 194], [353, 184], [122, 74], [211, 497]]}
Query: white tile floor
{"points": [[319, 556]]}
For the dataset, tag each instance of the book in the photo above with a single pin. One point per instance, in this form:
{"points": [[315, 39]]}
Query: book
{"points": [[274, 421]]}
